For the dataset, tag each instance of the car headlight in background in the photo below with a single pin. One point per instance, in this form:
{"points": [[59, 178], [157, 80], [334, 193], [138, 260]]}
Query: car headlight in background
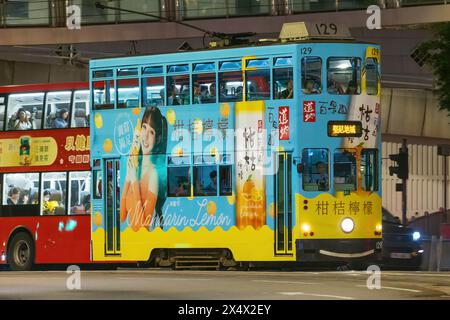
{"points": [[347, 225], [416, 235]]}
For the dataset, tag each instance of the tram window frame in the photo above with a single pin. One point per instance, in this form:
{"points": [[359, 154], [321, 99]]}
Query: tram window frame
{"points": [[50, 116], [372, 72], [310, 169], [32, 108], [153, 102], [80, 112], [223, 91], [254, 68], [204, 86], [3, 102], [63, 193], [123, 83], [104, 103], [170, 174], [352, 177], [171, 81], [199, 174], [331, 82], [375, 172], [308, 77], [81, 202], [282, 65]]}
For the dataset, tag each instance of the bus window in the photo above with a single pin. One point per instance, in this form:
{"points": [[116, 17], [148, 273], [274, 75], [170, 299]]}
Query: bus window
{"points": [[344, 169], [315, 174], [104, 94], [204, 88], [97, 185], [25, 111], [225, 180], [179, 179], [57, 110], [127, 93], [53, 193], [230, 86], [258, 84], [79, 192], [311, 69], [80, 109], [344, 75], [372, 76], [2, 112], [178, 89], [153, 91], [205, 181], [20, 189], [369, 169], [283, 80]]}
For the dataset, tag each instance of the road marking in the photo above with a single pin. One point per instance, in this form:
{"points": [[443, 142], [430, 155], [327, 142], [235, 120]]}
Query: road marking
{"points": [[393, 288], [160, 278], [315, 295], [289, 282]]}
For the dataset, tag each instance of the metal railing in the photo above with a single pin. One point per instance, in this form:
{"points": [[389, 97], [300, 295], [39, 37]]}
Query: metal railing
{"points": [[53, 12]]}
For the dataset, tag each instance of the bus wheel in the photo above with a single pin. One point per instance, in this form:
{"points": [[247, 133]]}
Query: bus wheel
{"points": [[21, 252]]}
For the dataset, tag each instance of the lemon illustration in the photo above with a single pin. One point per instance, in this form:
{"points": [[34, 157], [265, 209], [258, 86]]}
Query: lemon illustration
{"points": [[271, 210], [211, 208], [107, 145], [171, 116], [179, 152], [136, 111], [231, 199], [97, 219], [224, 110], [214, 152], [98, 120], [198, 126]]}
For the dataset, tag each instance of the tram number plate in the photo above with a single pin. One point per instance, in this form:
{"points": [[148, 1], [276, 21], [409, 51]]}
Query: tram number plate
{"points": [[400, 255]]}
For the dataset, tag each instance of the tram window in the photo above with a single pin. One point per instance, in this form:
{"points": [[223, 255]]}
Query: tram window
{"points": [[372, 76], [102, 74], [104, 94], [258, 84], [369, 169], [57, 108], [283, 83], [25, 111], [153, 91], [127, 93], [202, 67], [230, 86], [20, 189], [226, 180], [316, 172], [204, 88], [53, 193], [179, 181], [97, 184], [311, 70], [344, 166], [79, 192], [344, 75], [80, 109], [127, 72], [2, 112], [178, 90], [152, 70], [205, 181]]}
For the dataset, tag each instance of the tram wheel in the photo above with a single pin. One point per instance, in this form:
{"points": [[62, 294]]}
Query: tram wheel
{"points": [[21, 252]]}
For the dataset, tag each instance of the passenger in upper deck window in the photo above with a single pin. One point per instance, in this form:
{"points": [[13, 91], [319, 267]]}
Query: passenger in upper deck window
{"points": [[61, 120], [197, 94], [309, 88], [172, 94], [288, 92], [352, 88], [23, 121]]}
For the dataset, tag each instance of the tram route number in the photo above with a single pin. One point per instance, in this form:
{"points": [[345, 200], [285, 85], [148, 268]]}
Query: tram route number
{"points": [[326, 28], [225, 310]]}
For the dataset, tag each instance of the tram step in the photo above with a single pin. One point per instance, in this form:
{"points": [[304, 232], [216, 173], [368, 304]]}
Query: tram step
{"points": [[197, 261], [214, 267], [196, 257]]}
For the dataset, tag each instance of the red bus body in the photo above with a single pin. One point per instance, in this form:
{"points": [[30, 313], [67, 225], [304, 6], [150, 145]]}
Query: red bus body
{"points": [[57, 239]]}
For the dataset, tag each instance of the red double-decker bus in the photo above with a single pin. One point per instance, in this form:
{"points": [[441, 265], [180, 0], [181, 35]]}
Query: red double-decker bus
{"points": [[45, 178]]}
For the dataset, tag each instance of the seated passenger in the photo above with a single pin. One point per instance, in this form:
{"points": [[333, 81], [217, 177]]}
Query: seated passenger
{"points": [[61, 120], [352, 88], [13, 196], [309, 88], [212, 187], [321, 176], [23, 121], [172, 94], [288, 92], [183, 188], [197, 94], [49, 207]]}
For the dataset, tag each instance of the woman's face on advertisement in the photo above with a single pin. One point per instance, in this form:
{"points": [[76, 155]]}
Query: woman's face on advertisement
{"points": [[147, 138]]}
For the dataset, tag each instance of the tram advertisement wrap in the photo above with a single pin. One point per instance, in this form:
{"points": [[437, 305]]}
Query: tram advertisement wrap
{"points": [[37, 149]]}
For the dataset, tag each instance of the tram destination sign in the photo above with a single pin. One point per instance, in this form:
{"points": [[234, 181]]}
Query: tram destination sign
{"points": [[344, 129]]}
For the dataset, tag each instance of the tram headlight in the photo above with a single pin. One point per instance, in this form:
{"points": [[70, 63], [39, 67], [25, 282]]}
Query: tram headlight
{"points": [[347, 225], [306, 227], [416, 236]]}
